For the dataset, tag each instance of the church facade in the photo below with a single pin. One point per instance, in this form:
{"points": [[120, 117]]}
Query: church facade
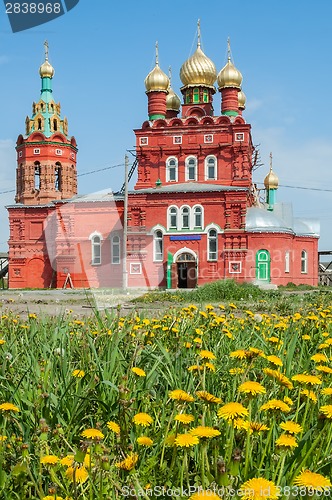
{"points": [[193, 217]]}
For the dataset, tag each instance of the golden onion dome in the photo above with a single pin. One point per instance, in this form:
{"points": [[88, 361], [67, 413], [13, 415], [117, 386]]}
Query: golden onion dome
{"points": [[156, 80], [173, 101], [229, 76], [46, 70], [242, 99], [198, 70], [271, 181]]}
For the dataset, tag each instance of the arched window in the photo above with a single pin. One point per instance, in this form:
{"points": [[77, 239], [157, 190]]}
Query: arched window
{"points": [[171, 169], [210, 168], [95, 250], [191, 168], [39, 124], [116, 249], [205, 95], [185, 217], [212, 245], [198, 217], [37, 175], [158, 246], [55, 125], [58, 177], [304, 262], [173, 218]]}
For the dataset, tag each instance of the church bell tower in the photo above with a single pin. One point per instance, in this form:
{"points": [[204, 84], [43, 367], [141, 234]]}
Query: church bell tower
{"points": [[46, 155]]}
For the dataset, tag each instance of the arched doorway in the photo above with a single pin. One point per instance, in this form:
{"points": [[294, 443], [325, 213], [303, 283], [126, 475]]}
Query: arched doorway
{"points": [[263, 265], [186, 267]]}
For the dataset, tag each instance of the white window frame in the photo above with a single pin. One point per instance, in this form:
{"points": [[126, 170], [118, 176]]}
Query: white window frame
{"points": [[211, 258], [36, 151], [194, 226], [188, 167], [58, 152], [207, 178], [168, 168], [158, 254], [169, 216], [115, 242], [95, 259], [182, 215], [20, 154], [304, 262], [287, 261]]}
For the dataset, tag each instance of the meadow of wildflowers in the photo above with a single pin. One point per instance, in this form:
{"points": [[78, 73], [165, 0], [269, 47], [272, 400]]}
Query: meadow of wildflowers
{"points": [[217, 401]]}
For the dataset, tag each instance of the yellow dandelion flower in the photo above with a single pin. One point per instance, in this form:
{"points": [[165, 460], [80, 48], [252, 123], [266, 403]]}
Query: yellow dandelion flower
{"points": [[205, 494], [207, 397], [323, 369], [286, 441], [236, 371], [207, 354], [275, 404], [195, 368], [309, 394], [78, 373], [186, 440], [239, 354], [8, 407], [3, 438], [138, 371], [324, 345], [304, 378], [306, 337], [210, 366], [319, 358], [312, 481], [52, 497], [169, 441], [2, 341], [252, 388], [326, 410], [288, 401], [77, 474], [232, 410], [274, 360], [279, 377], [198, 340], [239, 423], [256, 427], [67, 461], [92, 434], [144, 441], [291, 427], [327, 391], [184, 418], [259, 488], [187, 345], [180, 395], [204, 432], [142, 419], [114, 427], [128, 463], [49, 460]]}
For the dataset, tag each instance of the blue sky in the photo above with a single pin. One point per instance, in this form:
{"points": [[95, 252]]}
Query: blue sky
{"points": [[102, 52]]}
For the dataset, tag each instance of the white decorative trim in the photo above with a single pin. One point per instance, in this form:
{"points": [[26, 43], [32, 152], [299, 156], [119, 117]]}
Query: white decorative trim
{"points": [[208, 138], [185, 250], [177, 139], [20, 154], [58, 152], [135, 268], [36, 151], [143, 141], [239, 136], [235, 267]]}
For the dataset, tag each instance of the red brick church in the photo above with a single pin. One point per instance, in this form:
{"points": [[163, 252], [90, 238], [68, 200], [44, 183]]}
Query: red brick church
{"points": [[194, 217]]}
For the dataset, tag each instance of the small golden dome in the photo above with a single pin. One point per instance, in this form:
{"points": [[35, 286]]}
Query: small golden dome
{"points": [[229, 76], [242, 99], [156, 80], [271, 181], [46, 70], [198, 70], [173, 101]]}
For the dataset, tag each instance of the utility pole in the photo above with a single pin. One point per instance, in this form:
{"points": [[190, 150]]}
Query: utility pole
{"points": [[125, 227]]}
